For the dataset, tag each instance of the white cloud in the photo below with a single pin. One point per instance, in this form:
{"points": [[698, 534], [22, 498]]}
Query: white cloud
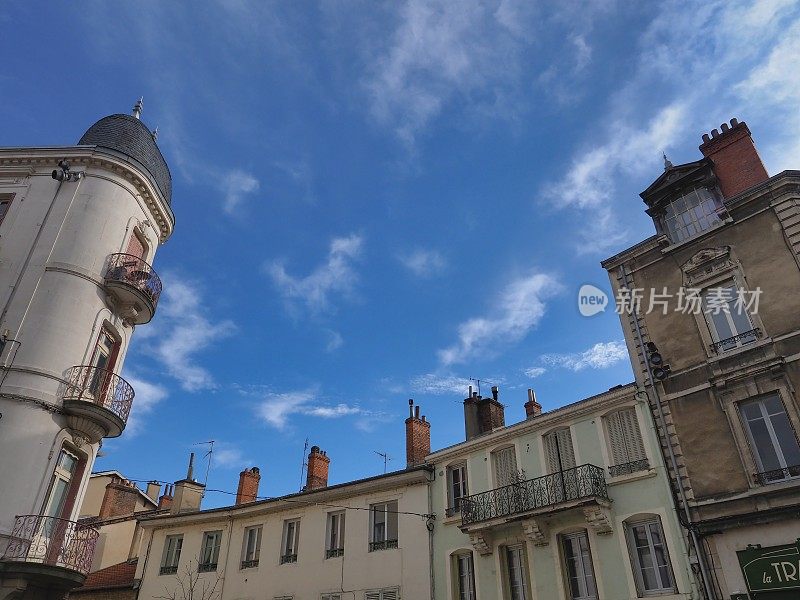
{"points": [[147, 396], [335, 341], [276, 409], [334, 276], [235, 185], [518, 308], [423, 263], [534, 372], [600, 356], [183, 332], [228, 456], [431, 383]]}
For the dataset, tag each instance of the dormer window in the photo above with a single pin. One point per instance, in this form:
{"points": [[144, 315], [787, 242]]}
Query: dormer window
{"points": [[691, 214]]}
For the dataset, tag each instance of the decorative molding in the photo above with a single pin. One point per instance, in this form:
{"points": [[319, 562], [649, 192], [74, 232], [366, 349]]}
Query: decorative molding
{"points": [[708, 263], [536, 531], [599, 518], [481, 541]]}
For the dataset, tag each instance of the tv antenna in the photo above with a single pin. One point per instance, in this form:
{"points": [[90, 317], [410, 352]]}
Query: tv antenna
{"points": [[303, 464], [386, 458], [208, 455], [477, 383]]}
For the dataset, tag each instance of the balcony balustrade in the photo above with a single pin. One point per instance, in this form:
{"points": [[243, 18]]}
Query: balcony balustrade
{"points": [[584, 482], [629, 467], [99, 395], [134, 286], [737, 341], [777, 475], [49, 541]]}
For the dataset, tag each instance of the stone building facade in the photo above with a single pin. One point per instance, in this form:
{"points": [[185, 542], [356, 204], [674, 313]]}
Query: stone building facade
{"points": [[714, 295], [79, 228]]}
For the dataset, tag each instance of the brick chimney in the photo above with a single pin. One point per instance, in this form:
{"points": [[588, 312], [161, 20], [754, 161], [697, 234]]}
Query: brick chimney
{"points": [[532, 407], [737, 165], [483, 415], [248, 486], [165, 501], [317, 475], [188, 492], [418, 436], [119, 499]]}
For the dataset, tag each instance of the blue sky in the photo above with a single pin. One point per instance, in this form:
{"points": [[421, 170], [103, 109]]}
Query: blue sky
{"points": [[377, 201]]}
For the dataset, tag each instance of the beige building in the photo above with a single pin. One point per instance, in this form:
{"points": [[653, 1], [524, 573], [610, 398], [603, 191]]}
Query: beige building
{"points": [[79, 228], [365, 539], [710, 316], [573, 503]]}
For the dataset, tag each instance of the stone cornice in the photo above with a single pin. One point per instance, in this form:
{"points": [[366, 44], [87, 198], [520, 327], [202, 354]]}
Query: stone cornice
{"points": [[15, 159]]}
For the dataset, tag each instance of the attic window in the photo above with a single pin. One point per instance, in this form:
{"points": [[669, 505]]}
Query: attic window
{"points": [[692, 213]]}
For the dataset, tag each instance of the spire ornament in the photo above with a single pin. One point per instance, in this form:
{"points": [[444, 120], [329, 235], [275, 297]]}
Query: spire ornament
{"points": [[137, 108]]}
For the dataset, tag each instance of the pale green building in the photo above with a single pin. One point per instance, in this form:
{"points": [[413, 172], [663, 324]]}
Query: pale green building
{"points": [[570, 504]]}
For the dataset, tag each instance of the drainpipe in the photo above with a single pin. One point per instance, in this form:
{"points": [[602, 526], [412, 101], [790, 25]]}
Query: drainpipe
{"points": [[686, 521], [429, 525]]}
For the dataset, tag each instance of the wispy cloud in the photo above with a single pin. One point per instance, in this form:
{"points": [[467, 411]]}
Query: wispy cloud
{"points": [[148, 395], [277, 408], [600, 356], [431, 383], [423, 263], [228, 456], [184, 330], [534, 372], [335, 276], [236, 184], [518, 308], [335, 340]]}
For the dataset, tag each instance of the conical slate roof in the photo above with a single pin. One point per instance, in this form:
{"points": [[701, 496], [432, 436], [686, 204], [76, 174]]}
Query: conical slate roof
{"points": [[128, 135]]}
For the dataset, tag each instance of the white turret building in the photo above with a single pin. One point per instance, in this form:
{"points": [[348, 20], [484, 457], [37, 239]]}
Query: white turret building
{"points": [[79, 228]]}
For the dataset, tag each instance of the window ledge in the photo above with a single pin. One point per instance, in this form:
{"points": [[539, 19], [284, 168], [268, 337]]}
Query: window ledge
{"points": [[629, 477], [755, 490], [452, 519], [725, 354]]}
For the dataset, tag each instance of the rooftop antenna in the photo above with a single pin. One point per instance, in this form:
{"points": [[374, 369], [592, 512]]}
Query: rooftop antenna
{"points": [[304, 464], [208, 455], [386, 458], [478, 384], [137, 108]]}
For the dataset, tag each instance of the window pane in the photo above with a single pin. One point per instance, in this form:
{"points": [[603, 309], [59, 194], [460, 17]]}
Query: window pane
{"points": [[763, 445], [787, 440], [645, 555]]}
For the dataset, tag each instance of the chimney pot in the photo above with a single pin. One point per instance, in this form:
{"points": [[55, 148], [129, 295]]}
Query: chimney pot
{"points": [[495, 392], [418, 439], [714, 133], [724, 128], [410, 407], [317, 474], [706, 138], [532, 407], [734, 122], [416, 412]]}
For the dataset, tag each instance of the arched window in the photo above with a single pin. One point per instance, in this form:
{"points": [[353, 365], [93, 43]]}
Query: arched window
{"points": [[463, 570], [649, 555]]}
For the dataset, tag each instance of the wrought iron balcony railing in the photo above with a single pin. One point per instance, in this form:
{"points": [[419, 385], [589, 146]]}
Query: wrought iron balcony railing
{"points": [[741, 339], [334, 552], [133, 271], [206, 567], [99, 386], [168, 570], [384, 545], [629, 467], [776, 475], [288, 558], [249, 564], [53, 542], [582, 482]]}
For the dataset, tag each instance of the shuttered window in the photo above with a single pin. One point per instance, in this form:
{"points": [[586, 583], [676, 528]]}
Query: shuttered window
{"points": [[505, 466], [384, 594], [624, 437], [558, 448]]}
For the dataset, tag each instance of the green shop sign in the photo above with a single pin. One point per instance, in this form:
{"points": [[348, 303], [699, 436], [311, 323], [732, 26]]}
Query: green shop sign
{"points": [[774, 568]]}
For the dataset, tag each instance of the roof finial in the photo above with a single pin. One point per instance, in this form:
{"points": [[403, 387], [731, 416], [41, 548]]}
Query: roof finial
{"points": [[667, 164], [137, 108], [154, 133]]}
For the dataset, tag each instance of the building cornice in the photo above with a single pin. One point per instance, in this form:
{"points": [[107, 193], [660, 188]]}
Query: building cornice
{"points": [[545, 421], [14, 160]]}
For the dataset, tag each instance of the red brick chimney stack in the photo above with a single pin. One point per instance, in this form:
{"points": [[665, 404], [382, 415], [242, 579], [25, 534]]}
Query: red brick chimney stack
{"points": [[318, 463], [248, 486], [737, 165], [119, 499], [165, 501], [418, 436], [532, 407]]}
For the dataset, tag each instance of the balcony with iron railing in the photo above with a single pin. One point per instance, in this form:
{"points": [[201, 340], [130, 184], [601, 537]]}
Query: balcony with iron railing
{"points": [[99, 395], [736, 341], [558, 491], [777, 475], [134, 286], [55, 552]]}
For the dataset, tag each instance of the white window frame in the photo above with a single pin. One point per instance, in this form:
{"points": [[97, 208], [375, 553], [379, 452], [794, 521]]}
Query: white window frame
{"points": [[464, 571], [709, 291], [511, 583], [587, 582], [773, 436], [677, 229], [335, 526], [456, 490], [171, 557], [636, 560], [214, 538], [54, 506], [388, 509], [290, 541], [251, 553]]}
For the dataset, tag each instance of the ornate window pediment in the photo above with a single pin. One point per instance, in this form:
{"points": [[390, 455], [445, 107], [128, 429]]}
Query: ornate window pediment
{"points": [[707, 264]]}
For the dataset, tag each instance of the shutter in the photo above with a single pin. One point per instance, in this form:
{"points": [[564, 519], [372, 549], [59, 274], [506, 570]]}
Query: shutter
{"points": [[564, 440], [505, 466], [135, 246], [390, 594], [372, 595], [391, 521], [633, 436], [616, 438], [551, 452]]}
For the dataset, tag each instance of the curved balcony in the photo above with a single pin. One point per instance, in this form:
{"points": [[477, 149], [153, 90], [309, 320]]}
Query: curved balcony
{"points": [[134, 287], [56, 553], [97, 397]]}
